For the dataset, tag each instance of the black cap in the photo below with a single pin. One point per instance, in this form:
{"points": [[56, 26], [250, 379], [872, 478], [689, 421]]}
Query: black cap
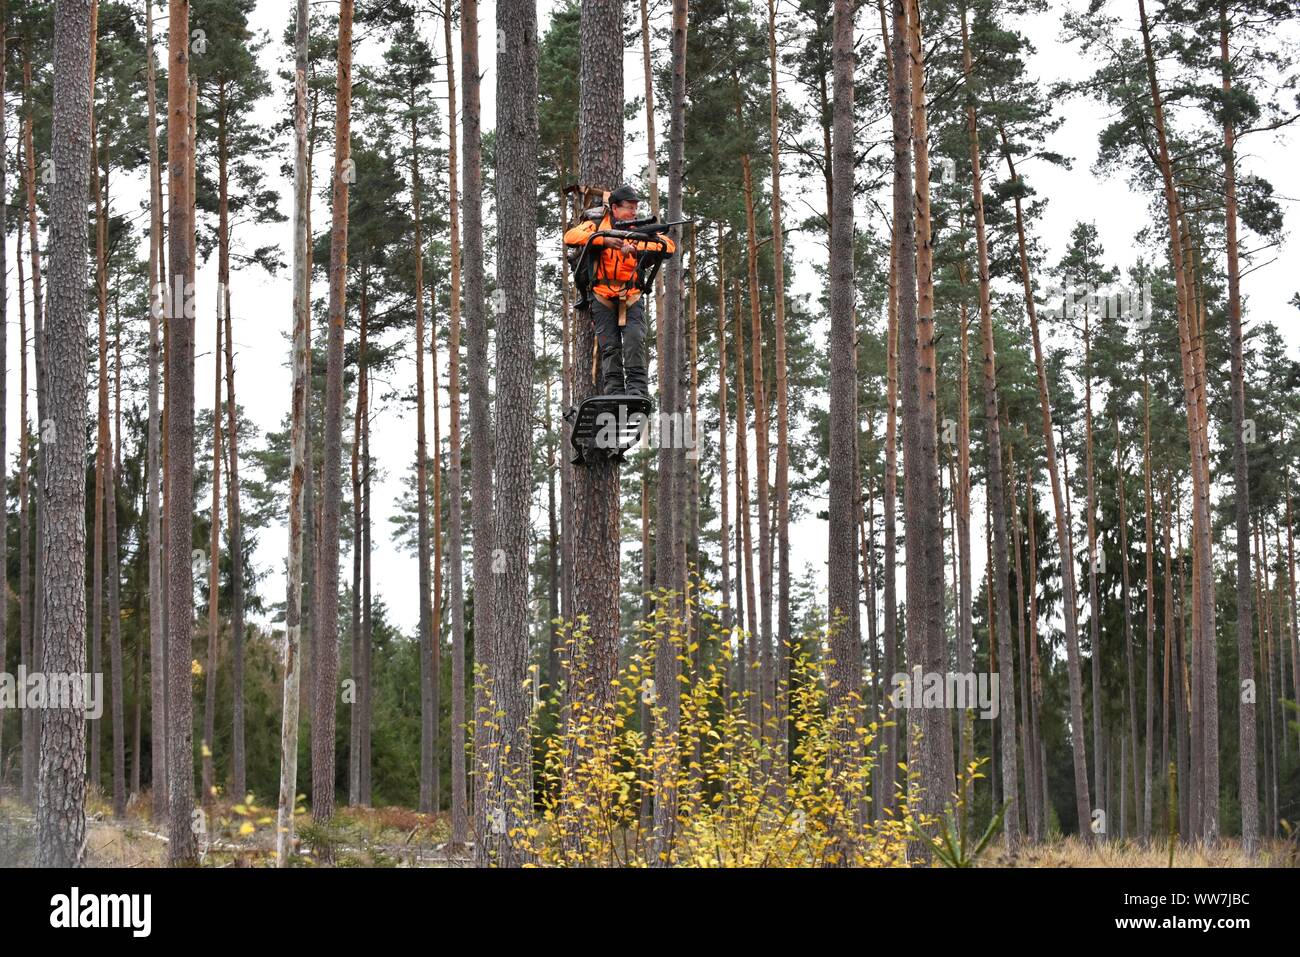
{"points": [[624, 194]]}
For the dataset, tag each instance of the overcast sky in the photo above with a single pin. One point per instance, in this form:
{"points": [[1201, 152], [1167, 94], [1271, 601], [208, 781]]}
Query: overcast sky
{"points": [[261, 304]]}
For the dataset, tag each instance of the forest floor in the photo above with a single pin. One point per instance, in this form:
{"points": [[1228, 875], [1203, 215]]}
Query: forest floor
{"points": [[243, 835]]}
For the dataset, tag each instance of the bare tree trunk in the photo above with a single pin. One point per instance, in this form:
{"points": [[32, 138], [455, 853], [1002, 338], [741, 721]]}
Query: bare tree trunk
{"points": [[298, 466], [60, 809], [30, 726], [783, 650], [724, 537], [1205, 746], [95, 726], [358, 612], [214, 569], [32, 733], [455, 548], [1248, 789], [844, 670], [435, 631], [235, 535], [476, 355], [762, 628], [367, 697], [596, 487], [1149, 601], [158, 290], [505, 795], [428, 716], [181, 850], [1063, 538], [750, 675], [1129, 668], [670, 557], [327, 583], [995, 486], [1094, 568], [107, 496], [4, 372]]}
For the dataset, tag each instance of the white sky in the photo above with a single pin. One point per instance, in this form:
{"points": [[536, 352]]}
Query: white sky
{"points": [[261, 310]]}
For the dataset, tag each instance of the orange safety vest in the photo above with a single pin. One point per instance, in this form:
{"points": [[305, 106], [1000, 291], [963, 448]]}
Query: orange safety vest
{"points": [[614, 280]]}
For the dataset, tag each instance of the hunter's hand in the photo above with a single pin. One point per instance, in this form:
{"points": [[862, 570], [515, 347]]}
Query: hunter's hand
{"points": [[628, 248]]}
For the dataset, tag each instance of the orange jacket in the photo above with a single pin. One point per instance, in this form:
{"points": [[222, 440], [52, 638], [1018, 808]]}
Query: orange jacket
{"points": [[615, 275]]}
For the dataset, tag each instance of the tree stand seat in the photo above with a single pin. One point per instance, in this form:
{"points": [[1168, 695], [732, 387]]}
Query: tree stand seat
{"points": [[607, 426]]}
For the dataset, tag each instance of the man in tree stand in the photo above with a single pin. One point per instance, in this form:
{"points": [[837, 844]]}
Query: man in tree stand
{"points": [[616, 281]]}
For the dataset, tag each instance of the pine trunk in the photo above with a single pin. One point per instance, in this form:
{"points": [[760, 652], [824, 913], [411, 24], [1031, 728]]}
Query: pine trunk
{"points": [[327, 582], [298, 466], [1063, 539], [181, 849], [60, 809], [505, 794], [455, 452]]}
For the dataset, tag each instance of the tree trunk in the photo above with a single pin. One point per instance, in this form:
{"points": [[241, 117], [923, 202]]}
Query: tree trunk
{"points": [[783, 649], [995, 484], [95, 726], [844, 670], [1063, 538], [435, 630], [181, 850], [1129, 668], [1149, 601], [762, 629], [724, 537], [1205, 747], [670, 557], [4, 372], [358, 611], [505, 794], [1248, 789], [29, 727], [596, 486], [476, 355], [428, 717], [235, 536], [60, 810], [158, 290], [298, 465], [327, 583], [214, 565]]}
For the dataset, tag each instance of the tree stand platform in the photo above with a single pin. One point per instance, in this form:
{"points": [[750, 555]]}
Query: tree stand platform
{"points": [[607, 426]]}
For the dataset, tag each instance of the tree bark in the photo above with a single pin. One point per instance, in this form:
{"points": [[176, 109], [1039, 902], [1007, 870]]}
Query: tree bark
{"points": [[428, 716], [1205, 747], [670, 558], [60, 810], [298, 466], [327, 583], [505, 796], [596, 487], [995, 485], [158, 291], [844, 669], [1063, 538], [476, 354], [1248, 789], [181, 849], [455, 547]]}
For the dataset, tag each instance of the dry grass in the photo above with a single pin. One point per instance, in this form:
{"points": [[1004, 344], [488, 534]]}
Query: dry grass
{"points": [[1071, 852], [397, 837]]}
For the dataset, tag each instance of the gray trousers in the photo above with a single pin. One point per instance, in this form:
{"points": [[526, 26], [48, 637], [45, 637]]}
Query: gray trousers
{"points": [[622, 350]]}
